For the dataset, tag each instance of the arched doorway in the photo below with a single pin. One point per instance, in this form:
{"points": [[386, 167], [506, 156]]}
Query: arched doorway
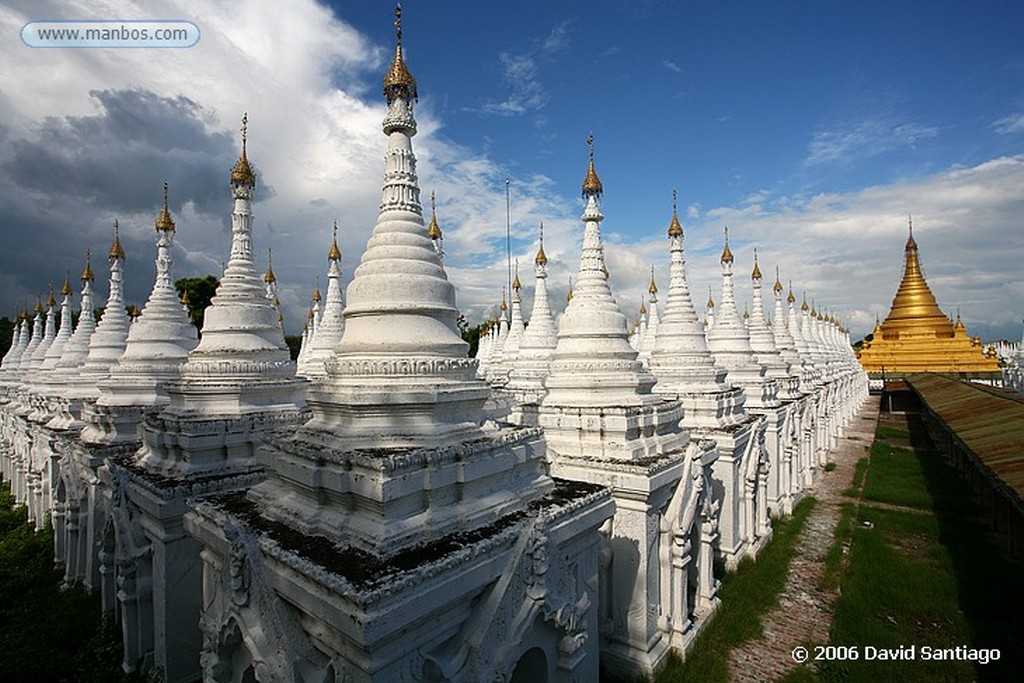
{"points": [[532, 667]]}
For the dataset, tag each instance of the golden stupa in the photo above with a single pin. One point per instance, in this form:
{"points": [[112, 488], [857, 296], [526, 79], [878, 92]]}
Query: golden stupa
{"points": [[917, 336]]}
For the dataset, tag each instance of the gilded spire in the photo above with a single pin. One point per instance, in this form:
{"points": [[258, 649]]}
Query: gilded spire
{"points": [[39, 304], [727, 253], [778, 283], [675, 229], [790, 299], [516, 284], [504, 306], [914, 305], [185, 301], [51, 302], [334, 254], [398, 82], [804, 307], [66, 289], [592, 184], [164, 222], [87, 272], [756, 275], [711, 301], [643, 308], [242, 173], [434, 230], [116, 250], [269, 276], [653, 288], [135, 312], [541, 258], [568, 297], [317, 296]]}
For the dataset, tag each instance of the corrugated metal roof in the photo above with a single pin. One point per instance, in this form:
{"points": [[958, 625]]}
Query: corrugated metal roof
{"points": [[988, 421]]}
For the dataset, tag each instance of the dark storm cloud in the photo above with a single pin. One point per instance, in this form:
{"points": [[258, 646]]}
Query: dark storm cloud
{"points": [[118, 158], [60, 187]]}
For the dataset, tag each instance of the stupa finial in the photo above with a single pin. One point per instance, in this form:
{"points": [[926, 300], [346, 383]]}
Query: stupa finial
{"points": [[591, 183], [242, 173], [541, 259], [164, 222], [334, 254], [398, 82], [675, 229], [116, 250], [727, 252]]}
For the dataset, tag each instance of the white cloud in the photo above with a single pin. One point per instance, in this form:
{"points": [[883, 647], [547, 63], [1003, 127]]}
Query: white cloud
{"points": [[1014, 123], [846, 249], [672, 66], [521, 71], [858, 140]]}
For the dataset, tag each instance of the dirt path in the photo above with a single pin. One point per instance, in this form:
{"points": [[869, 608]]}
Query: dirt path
{"points": [[804, 610]]}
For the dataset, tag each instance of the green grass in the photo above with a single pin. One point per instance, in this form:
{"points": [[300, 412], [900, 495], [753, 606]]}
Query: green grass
{"points": [[746, 595], [860, 471], [886, 432], [927, 576], [916, 479], [841, 535], [46, 634]]}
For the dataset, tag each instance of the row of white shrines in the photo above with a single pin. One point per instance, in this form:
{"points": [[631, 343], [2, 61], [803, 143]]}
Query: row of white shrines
{"points": [[404, 512]]}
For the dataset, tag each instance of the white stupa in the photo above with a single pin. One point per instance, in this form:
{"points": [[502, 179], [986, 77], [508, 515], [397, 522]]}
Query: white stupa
{"points": [[530, 368], [158, 344], [411, 536], [331, 322], [604, 425]]}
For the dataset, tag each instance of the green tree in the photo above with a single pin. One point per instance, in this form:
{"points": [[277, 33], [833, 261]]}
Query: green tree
{"points": [[471, 335], [200, 291], [6, 335]]}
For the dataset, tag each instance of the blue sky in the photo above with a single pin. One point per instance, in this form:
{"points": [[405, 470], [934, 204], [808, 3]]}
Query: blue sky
{"points": [[811, 128]]}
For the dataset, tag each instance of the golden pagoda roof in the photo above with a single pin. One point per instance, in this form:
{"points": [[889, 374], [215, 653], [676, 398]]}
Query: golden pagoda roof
{"points": [[398, 81], [711, 301], [727, 252], [516, 284], [756, 274], [643, 308], [591, 183], [568, 297], [242, 173], [675, 228], [434, 230], [778, 283], [164, 222], [653, 288], [541, 259], [51, 302], [87, 272], [913, 306], [334, 254], [917, 336], [504, 306], [39, 305], [269, 276], [116, 250], [790, 299], [66, 288]]}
